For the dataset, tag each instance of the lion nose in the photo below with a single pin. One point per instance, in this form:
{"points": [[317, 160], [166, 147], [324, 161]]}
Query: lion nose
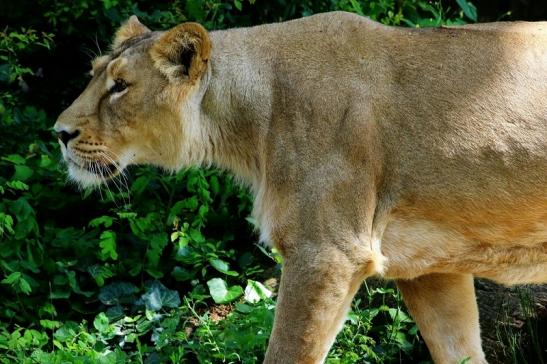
{"points": [[64, 136]]}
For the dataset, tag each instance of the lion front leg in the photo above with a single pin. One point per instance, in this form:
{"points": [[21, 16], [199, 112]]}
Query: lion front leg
{"points": [[445, 309], [317, 286]]}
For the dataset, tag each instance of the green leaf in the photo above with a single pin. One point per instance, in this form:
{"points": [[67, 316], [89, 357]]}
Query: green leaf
{"points": [[46, 162], [15, 159], [108, 245], [100, 273], [197, 236], [140, 184], [398, 315], [22, 173], [12, 278], [105, 221], [222, 267], [26, 220], [256, 291], [237, 4], [356, 7], [49, 324], [24, 286], [182, 274], [59, 294], [127, 215], [243, 308], [115, 313], [73, 282], [157, 243], [195, 8], [468, 8], [101, 322], [118, 292], [189, 204], [215, 185], [66, 332], [221, 293], [22, 209], [17, 185], [219, 265], [6, 224], [158, 296]]}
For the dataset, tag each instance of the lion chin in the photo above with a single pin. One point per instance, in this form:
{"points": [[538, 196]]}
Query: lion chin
{"points": [[90, 175]]}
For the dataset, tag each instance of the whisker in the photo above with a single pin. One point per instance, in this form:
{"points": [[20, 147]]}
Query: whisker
{"points": [[112, 196], [122, 176], [115, 179], [93, 169]]}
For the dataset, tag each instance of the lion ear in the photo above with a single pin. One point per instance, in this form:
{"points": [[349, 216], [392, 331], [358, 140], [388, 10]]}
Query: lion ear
{"points": [[131, 28], [182, 52]]}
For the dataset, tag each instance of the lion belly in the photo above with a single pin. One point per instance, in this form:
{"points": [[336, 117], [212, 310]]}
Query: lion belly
{"points": [[417, 247]]}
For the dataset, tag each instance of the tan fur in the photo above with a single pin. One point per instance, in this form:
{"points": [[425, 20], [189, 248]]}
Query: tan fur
{"points": [[130, 29], [418, 155]]}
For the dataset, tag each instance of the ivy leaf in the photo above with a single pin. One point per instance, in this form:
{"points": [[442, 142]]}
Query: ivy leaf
{"points": [[101, 322], [256, 291], [182, 274], [115, 313], [219, 265], [222, 267], [118, 292], [221, 293], [67, 331], [158, 296]]}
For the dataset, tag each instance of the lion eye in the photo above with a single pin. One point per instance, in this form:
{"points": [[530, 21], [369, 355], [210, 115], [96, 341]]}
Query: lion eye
{"points": [[119, 86]]}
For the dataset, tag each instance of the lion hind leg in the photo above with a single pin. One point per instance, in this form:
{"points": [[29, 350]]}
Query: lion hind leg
{"points": [[445, 310]]}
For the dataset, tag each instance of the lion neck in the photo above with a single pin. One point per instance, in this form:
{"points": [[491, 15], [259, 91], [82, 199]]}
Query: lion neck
{"points": [[234, 109]]}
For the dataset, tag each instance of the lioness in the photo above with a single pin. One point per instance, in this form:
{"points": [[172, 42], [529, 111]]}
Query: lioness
{"points": [[418, 155]]}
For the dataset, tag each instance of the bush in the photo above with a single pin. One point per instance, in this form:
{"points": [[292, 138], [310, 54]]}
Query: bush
{"points": [[155, 268]]}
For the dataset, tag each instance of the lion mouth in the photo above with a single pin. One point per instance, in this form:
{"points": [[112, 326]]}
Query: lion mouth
{"points": [[100, 169]]}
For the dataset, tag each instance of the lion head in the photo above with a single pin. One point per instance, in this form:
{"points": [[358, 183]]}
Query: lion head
{"points": [[138, 105]]}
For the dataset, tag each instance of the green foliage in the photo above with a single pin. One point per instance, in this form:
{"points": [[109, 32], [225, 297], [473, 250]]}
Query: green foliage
{"points": [[151, 269], [221, 293], [377, 331]]}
